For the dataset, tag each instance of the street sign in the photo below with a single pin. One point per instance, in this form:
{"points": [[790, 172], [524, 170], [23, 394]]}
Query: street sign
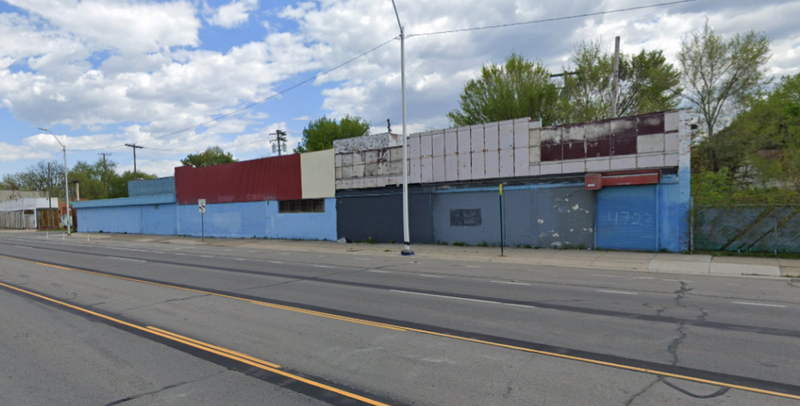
{"points": [[201, 206]]}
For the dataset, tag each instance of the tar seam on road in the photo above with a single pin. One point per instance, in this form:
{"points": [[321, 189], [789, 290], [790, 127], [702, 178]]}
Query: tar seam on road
{"points": [[335, 395], [541, 305], [777, 389]]}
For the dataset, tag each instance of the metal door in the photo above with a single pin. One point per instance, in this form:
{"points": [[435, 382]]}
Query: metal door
{"points": [[627, 218]]}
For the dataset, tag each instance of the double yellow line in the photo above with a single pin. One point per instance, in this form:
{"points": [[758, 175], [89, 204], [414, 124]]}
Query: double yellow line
{"points": [[396, 327], [200, 345]]}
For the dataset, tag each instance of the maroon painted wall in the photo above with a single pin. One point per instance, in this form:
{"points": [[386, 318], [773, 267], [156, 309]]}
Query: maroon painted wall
{"points": [[621, 139], [275, 178]]}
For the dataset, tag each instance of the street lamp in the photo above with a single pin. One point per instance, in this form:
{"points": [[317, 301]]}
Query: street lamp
{"points": [[66, 180], [406, 231]]}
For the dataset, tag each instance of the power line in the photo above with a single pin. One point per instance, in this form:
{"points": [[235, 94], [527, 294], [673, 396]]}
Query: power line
{"points": [[551, 19], [284, 90]]}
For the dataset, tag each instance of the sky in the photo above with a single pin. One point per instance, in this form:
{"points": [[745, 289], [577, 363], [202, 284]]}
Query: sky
{"points": [[178, 76]]}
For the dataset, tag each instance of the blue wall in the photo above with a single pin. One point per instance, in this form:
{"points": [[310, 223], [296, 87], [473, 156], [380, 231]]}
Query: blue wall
{"points": [[643, 218], [147, 187], [258, 220], [143, 219]]}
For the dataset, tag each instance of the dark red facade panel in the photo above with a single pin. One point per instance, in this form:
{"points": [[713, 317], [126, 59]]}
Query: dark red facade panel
{"points": [[650, 124], [276, 178], [552, 151], [597, 181]]}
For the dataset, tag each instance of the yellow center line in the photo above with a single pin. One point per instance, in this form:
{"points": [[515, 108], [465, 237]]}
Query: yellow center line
{"points": [[437, 334], [221, 351]]}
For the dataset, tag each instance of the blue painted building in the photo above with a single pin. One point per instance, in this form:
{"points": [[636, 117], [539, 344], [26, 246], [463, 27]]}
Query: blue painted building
{"points": [[297, 204], [150, 209]]}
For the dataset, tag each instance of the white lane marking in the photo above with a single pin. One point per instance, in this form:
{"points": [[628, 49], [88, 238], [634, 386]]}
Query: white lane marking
{"points": [[473, 266], [677, 280], [240, 259], [205, 256], [511, 283], [180, 254], [606, 276], [466, 299], [323, 266], [276, 262], [644, 277], [759, 304], [445, 296], [427, 275], [378, 271], [616, 292], [128, 259]]}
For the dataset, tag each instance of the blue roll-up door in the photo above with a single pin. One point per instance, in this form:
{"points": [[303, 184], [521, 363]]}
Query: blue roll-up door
{"points": [[627, 219]]}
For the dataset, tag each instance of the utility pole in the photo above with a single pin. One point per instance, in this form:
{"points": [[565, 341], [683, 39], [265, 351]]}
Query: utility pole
{"points": [[615, 78], [49, 185], [66, 181], [406, 229], [279, 142], [134, 147], [104, 177]]}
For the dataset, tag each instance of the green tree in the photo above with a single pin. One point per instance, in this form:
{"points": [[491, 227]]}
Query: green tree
{"points": [[119, 185], [770, 128], [320, 133], [519, 88], [210, 157], [721, 75], [647, 83], [43, 176]]}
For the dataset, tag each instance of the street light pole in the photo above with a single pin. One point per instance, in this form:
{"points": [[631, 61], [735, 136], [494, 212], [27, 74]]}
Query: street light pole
{"points": [[66, 180], [406, 229]]}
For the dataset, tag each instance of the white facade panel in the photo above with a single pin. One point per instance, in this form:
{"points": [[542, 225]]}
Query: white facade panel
{"points": [[521, 133], [671, 121], [464, 154], [550, 168], [438, 168], [598, 164], [534, 137], [650, 143], [534, 155], [492, 158], [450, 167], [671, 159], [654, 160], [671, 142], [624, 162], [506, 163], [573, 166], [414, 170], [426, 169], [521, 161], [450, 142], [506, 135]]}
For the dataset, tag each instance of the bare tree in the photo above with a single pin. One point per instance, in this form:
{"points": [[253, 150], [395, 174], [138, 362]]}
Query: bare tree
{"points": [[719, 74]]}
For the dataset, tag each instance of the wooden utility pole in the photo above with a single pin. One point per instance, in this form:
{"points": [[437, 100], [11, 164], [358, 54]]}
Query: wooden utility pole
{"points": [[134, 147], [279, 142]]}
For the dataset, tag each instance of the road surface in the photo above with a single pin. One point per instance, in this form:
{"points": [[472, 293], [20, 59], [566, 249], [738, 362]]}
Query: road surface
{"points": [[127, 322]]}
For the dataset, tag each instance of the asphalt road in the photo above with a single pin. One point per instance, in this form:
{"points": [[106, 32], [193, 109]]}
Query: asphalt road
{"points": [[355, 329]]}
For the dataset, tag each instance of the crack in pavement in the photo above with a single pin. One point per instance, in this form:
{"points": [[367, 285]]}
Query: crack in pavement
{"points": [[176, 299], [165, 388], [672, 347], [647, 387]]}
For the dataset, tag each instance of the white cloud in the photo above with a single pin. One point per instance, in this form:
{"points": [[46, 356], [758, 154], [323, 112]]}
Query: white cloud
{"points": [[234, 13], [126, 26], [127, 70]]}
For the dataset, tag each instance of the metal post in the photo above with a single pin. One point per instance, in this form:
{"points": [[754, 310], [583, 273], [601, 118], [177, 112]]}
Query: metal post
{"points": [[615, 78], [406, 229], [502, 221], [66, 190], [202, 227]]}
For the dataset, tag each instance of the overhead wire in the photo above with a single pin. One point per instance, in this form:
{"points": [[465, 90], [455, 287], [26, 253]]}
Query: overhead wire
{"points": [[551, 19], [284, 90]]}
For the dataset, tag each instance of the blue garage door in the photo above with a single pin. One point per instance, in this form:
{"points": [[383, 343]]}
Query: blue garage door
{"points": [[626, 218]]}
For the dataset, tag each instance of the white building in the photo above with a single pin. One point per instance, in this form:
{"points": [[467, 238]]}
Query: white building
{"points": [[22, 213]]}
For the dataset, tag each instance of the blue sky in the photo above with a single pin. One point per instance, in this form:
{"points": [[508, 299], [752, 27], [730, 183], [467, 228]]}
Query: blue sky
{"points": [[102, 73]]}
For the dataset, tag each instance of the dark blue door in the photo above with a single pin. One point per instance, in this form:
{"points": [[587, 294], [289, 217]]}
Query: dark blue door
{"points": [[627, 218]]}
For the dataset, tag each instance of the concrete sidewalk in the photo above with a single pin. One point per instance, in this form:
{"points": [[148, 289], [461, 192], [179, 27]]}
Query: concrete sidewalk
{"points": [[586, 259]]}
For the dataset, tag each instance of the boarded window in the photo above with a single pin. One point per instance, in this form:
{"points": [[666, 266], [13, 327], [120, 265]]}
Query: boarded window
{"points": [[465, 217], [302, 206]]}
